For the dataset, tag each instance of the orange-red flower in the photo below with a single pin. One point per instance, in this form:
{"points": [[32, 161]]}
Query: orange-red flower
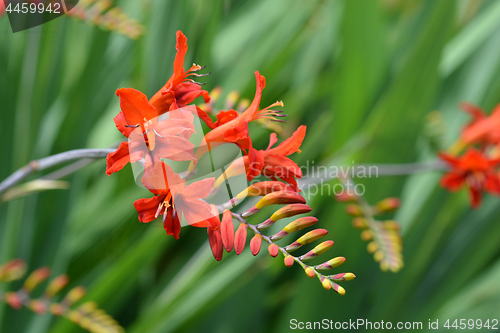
{"points": [[179, 90], [272, 162], [483, 129], [173, 199], [2, 8], [474, 170], [232, 127], [148, 137]]}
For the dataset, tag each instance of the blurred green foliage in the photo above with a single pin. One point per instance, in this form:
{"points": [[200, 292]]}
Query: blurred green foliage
{"points": [[362, 75]]}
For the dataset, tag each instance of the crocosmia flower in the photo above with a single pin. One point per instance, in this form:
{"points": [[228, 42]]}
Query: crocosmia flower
{"points": [[148, 137], [179, 90], [483, 129], [272, 162], [173, 199], [232, 127], [474, 170]]}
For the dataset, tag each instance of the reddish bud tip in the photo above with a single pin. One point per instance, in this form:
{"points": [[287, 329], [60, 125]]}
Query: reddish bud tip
{"points": [[310, 272], [387, 205], [215, 240], [289, 261], [255, 244], [35, 278], [274, 250], [240, 238], [227, 231], [354, 210], [13, 300]]}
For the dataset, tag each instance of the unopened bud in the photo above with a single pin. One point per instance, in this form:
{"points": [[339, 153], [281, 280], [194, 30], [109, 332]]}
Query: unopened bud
{"points": [[56, 309], [35, 278], [354, 210], [37, 306], [310, 272], [366, 235], [307, 238], [378, 256], [227, 230], [13, 300], [342, 277], [255, 244], [372, 247], [289, 261], [387, 205], [391, 225], [338, 289], [274, 250], [74, 295], [279, 198], [330, 264], [319, 249], [240, 238], [290, 210], [56, 285], [326, 283], [12, 270], [359, 223], [215, 241]]}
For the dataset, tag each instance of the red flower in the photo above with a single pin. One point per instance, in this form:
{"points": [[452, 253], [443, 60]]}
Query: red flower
{"points": [[473, 169], [232, 127], [179, 91], [173, 199], [272, 162], [149, 138], [482, 129]]}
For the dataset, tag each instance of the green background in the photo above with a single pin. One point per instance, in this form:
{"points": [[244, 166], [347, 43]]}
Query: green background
{"points": [[363, 75]]}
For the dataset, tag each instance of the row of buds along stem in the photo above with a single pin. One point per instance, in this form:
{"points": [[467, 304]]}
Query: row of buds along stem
{"points": [[87, 315], [102, 14], [385, 242], [278, 193]]}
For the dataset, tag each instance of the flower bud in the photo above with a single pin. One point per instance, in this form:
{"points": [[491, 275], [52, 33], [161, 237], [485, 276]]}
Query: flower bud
{"points": [[366, 235], [392, 225], [354, 210], [290, 210], [310, 272], [289, 261], [240, 238], [227, 230], [372, 247], [387, 205], [255, 244], [319, 249], [326, 283], [307, 238], [74, 295], [266, 187], [56, 285], [344, 197], [215, 240], [378, 256], [35, 278], [274, 250], [12, 270], [37, 306], [56, 309], [330, 264], [279, 198], [342, 277], [359, 223], [338, 289], [13, 300], [296, 225]]}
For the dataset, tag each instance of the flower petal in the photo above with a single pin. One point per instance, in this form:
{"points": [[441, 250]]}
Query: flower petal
{"points": [[135, 106], [147, 208], [116, 160], [172, 225], [255, 164], [452, 181], [199, 189], [290, 145], [121, 122], [272, 140]]}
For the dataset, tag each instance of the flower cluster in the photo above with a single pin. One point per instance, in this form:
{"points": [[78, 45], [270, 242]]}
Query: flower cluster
{"points": [[477, 168], [161, 130], [153, 140]]}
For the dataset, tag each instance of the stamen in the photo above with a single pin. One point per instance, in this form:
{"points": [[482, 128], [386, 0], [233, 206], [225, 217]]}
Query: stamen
{"points": [[198, 69], [155, 132], [199, 83], [132, 126]]}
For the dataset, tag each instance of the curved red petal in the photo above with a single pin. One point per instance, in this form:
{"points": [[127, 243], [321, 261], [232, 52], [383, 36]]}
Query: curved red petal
{"points": [[199, 189], [135, 106], [227, 230], [121, 123], [172, 225], [255, 164], [147, 208], [240, 238], [116, 160], [452, 181], [290, 145]]}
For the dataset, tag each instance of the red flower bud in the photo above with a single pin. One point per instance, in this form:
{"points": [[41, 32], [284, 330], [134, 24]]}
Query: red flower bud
{"points": [[227, 230], [255, 244], [274, 250], [240, 238], [215, 240]]}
